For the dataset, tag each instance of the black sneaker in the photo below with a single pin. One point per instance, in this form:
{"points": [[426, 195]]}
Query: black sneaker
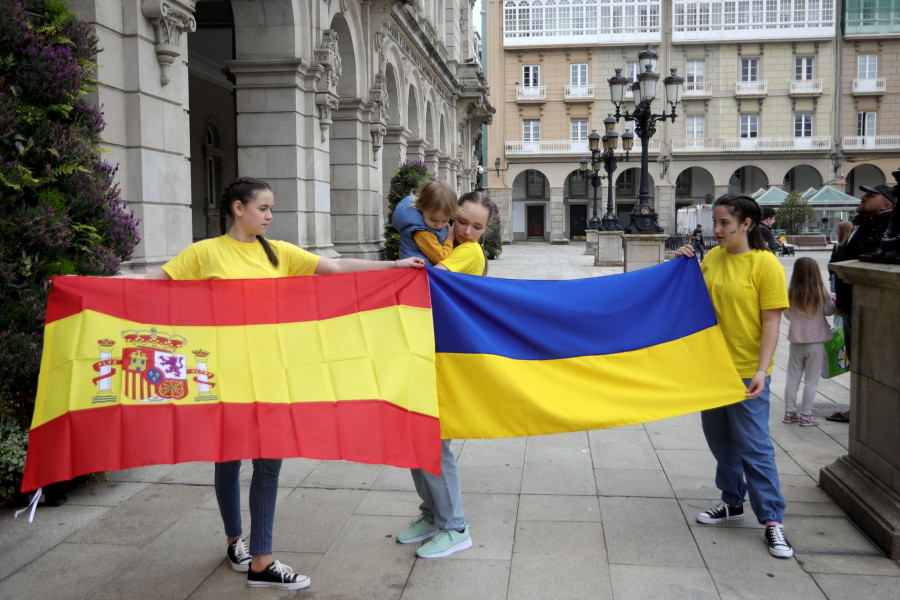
{"points": [[778, 544], [238, 556], [721, 512], [277, 575]]}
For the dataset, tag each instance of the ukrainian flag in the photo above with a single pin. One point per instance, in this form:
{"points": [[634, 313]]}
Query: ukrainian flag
{"points": [[517, 357]]}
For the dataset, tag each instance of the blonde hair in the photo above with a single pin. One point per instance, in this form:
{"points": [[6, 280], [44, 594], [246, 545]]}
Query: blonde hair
{"points": [[435, 195], [807, 293], [844, 229]]}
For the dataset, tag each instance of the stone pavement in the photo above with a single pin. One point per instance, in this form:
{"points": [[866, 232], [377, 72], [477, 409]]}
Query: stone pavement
{"points": [[601, 514]]}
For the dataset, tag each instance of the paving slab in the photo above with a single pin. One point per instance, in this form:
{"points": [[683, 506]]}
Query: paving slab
{"points": [[458, 579], [153, 573], [504, 452], [492, 522], [648, 531], [499, 480], [691, 472], [623, 449], [310, 519], [829, 534], [365, 561], [389, 503], [677, 433], [105, 492], [394, 478], [742, 568], [849, 564], [144, 516], [648, 484], [226, 584], [558, 470], [83, 565], [639, 582], [575, 438], [340, 474], [558, 508], [570, 559], [870, 587]]}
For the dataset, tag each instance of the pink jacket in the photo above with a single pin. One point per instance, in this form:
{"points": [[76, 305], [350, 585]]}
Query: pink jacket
{"points": [[810, 330]]}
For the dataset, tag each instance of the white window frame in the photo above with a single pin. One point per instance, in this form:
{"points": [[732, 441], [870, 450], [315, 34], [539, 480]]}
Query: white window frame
{"points": [[803, 125], [867, 66], [693, 74], [578, 129], [749, 125], [866, 124], [531, 130], [578, 74], [531, 75], [631, 71], [804, 68], [750, 69], [695, 127]]}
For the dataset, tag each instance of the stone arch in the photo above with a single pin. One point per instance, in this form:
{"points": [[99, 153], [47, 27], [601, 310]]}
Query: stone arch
{"points": [[429, 125], [395, 103], [349, 83], [530, 195], [747, 179], [694, 185], [864, 174], [442, 139], [802, 177], [271, 28]]}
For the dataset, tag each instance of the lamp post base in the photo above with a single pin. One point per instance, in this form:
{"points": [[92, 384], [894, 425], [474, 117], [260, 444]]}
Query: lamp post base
{"points": [[644, 220], [644, 250]]}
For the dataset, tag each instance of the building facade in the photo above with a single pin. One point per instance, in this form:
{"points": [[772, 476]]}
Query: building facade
{"points": [[322, 99], [777, 93]]}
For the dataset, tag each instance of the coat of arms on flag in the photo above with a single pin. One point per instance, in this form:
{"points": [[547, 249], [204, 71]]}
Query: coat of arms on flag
{"points": [[153, 369]]}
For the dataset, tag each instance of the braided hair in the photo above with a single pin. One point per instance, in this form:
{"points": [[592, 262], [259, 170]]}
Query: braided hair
{"points": [[245, 190]]}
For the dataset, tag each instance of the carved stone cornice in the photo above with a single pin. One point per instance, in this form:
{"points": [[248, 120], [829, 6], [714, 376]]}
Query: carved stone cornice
{"points": [[326, 103], [328, 55], [170, 18]]}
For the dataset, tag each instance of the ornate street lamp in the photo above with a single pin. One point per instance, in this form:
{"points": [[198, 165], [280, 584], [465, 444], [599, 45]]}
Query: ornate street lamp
{"points": [[644, 218], [607, 160]]}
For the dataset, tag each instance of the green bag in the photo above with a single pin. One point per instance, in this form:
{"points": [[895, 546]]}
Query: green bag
{"points": [[836, 361]]}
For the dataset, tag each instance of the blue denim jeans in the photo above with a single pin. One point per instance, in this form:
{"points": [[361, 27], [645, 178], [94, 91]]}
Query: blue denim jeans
{"points": [[738, 436], [440, 494], [263, 489]]}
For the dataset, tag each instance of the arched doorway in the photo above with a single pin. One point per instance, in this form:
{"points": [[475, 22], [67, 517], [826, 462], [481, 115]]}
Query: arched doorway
{"points": [[747, 180], [801, 178]]}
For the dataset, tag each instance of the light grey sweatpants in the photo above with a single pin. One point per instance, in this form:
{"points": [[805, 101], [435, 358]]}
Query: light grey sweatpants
{"points": [[803, 360]]}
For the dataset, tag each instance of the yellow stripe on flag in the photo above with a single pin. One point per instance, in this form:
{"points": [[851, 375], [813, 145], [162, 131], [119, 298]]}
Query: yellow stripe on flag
{"points": [[488, 396], [386, 353]]}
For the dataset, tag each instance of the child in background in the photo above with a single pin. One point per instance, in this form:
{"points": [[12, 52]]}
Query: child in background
{"points": [[423, 222], [810, 304]]}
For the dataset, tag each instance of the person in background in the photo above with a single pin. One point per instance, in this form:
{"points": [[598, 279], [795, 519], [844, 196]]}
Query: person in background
{"points": [[765, 228], [699, 247], [873, 215], [843, 232], [423, 222], [810, 304]]}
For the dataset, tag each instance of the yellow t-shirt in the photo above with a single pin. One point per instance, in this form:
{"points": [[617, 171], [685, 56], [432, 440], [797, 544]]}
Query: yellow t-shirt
{"points": [[226, 258], [742, 285], [466, 258]]}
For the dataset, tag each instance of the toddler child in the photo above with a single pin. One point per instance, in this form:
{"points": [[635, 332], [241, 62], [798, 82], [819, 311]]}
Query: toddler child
{"points": [[423, 222], [810, 304]]}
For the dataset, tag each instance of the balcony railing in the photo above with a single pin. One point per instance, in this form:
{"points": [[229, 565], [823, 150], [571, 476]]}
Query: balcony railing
{"points": [[870, 86], [871, 142], [579, 92], [807, 87], [797, 144], [697, 89], [574, 147], [751, 88], [536, 93]]}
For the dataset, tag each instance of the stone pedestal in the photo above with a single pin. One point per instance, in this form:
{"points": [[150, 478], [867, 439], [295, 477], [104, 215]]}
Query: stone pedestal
{"points": [[644, 250], [591, 246], [607, 248], [866, 482]]}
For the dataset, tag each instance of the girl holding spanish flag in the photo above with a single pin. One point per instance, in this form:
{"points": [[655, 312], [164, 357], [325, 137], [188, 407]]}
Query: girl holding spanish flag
{"points": [[746, 284], [442, 522], [243, 253]]}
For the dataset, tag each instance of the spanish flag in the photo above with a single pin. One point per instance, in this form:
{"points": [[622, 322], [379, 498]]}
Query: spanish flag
{"points": [[138, 372], [517, 357]]}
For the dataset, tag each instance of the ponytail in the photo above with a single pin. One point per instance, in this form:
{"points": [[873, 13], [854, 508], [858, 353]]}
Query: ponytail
{"points": [[744, 207], [245, 190]]}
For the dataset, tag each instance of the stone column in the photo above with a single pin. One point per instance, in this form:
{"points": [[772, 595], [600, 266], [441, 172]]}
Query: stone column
{"points": [[665, 207], [415, 150], [144, 97], [557, 216], [609, 251], [393, 154], [719, 190], [502, 197], [590, 248], [866, 482], [644, 250], [283, 138]]}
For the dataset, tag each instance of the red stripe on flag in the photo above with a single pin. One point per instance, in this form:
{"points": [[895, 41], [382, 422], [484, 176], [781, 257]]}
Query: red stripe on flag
{"points": [[112, 438], [211, 302]]}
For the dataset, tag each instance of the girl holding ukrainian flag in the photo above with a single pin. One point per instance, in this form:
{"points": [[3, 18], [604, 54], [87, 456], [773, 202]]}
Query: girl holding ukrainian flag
{"points": [[244, 253], [442, 522], [747, 286]]}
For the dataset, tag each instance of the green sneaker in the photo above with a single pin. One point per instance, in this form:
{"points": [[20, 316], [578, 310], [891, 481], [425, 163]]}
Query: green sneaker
{"points": [[445, 543], [419, 529]]}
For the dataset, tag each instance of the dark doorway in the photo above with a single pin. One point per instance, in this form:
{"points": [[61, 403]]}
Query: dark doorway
{"points": [[535, 217], [577, 221]]}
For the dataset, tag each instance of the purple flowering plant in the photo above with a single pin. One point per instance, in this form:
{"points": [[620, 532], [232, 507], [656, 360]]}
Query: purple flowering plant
{"points": [[61, 211]]}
